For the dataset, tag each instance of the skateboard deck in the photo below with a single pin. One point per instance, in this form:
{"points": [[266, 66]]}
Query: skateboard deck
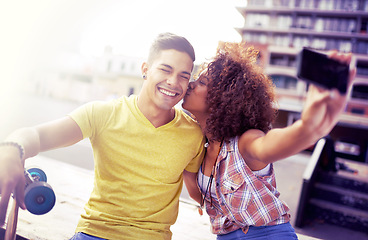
{"points": [[17, 237]]}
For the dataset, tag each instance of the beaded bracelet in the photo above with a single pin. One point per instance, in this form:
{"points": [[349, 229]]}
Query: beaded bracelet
{"points": [[17, 145]]}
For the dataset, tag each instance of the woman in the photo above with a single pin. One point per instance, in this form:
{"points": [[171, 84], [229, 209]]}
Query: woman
{"points": [[234, 103]]}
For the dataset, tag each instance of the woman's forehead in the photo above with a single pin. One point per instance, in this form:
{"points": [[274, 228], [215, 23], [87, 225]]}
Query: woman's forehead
{"points": [[203, 72], [200, 74], [203, 75]]}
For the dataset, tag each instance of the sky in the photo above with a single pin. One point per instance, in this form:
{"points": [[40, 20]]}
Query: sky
{"points": [[87, 26], [136, 23], [34, 33]]}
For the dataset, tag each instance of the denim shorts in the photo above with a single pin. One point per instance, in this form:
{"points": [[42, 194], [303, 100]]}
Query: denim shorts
{"points": [[83, 236], [277, 232]]}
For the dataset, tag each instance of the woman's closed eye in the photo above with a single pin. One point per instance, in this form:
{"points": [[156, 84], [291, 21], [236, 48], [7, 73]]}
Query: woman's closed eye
{"points": [[202, 83]]}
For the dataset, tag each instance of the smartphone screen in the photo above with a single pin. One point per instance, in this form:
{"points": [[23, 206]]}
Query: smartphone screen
{"points": [[322, 71]]}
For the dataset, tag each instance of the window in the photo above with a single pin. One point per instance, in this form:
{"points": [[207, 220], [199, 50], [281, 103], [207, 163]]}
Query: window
{"points": [[360, 91], [300, 41], [303, 22], [364, 25], [257, 19], [131, 91], [283, 60], [256, 37], [123, 66], [334, 24], [284, 21], [82, 78], [284, 82], [362, 68], [362, 47], [108, 66], [281, 40]]}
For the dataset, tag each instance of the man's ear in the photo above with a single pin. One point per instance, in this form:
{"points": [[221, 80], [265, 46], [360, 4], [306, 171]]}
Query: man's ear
{"points": [[144, 70]]}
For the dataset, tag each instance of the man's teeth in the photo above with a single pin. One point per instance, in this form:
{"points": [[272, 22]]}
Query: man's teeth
{"points": [[167, 93]]}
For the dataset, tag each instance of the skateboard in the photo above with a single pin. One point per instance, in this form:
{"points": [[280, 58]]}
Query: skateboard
{"points": [[39, 199]]}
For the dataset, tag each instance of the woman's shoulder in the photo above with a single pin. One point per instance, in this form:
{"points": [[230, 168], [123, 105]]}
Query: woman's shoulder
{"points": [[247, 147], [249, 136]]}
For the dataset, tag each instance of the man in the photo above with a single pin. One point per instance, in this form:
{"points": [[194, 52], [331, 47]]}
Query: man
{"points": [[141, 145]]}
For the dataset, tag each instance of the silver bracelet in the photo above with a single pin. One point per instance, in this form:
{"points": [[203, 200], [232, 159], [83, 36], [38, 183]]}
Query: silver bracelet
{"points": [[17, 145]]}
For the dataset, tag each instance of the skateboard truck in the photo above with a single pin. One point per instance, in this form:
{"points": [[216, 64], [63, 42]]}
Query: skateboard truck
{"points": [[39, 199]]}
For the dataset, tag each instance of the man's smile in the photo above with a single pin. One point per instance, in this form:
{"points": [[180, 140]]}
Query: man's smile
{"points": [[167, 92]]}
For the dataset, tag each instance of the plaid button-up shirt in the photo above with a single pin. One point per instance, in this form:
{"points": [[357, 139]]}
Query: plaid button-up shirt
{"points": [[243, 198]]}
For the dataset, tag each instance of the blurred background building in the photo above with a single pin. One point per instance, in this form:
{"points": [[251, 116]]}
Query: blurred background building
{"points": [[94, 78], [281, 28], [336, 188]]}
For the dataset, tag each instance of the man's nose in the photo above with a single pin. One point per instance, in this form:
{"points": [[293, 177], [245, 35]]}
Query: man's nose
{"points": [[172, 80]]}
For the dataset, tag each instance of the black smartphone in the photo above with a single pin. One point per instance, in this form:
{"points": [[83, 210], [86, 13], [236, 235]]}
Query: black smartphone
{"points": [[318, 69]]}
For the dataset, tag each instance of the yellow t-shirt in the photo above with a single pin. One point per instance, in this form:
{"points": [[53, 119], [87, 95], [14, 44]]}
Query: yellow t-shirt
{"points": [[138, 169]]}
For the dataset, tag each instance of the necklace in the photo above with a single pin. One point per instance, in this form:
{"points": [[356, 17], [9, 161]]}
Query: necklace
{"points": [[209, 184]]}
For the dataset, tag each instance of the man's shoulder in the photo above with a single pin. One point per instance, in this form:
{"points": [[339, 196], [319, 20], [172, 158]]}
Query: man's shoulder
{"points": [[118, 102], [186, 116], [187, 121], [125, 100], [106, 107]]}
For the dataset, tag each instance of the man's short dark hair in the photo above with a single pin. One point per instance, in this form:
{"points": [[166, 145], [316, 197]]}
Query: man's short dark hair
{"points": [[166, 41]]}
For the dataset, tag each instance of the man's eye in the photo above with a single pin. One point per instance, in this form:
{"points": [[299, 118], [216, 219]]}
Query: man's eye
{"points": [[164, 70], [185, 77]]}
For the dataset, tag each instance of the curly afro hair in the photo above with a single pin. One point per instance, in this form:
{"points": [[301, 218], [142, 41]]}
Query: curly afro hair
{"points": [[240, 96]]}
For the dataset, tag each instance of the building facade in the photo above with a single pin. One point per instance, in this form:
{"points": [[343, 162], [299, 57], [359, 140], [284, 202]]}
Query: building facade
{"points": [[83, 79], [281, 28]]}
